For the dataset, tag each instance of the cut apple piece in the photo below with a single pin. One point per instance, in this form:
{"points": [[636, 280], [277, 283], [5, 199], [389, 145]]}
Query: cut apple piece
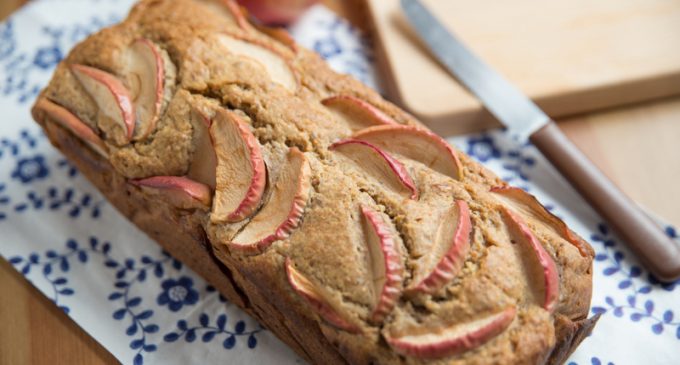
{"points": [[527, 205], [316, 297], [521, 234], [385, 263], [203, 164], [279, 34], [356, 113], [416, 144], [379, 164], [453, 244], [284, 209], [146, 74], [68, 120], [237, 13], [180, 191], [273, 63], [240, 172], [112, 98], [455, 339]]}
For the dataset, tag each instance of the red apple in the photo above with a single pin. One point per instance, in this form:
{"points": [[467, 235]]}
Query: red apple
{"points": [[203, 164], [378, 164], [455, 339], [385, 260], [68, 120], [181, 191], [522, 235], [240, 172], [316, 297], [146, 72], [453, 244], [527, 205], [356, 113], [269, 59], [277, 12], [112, 98], [281, 214], [416, 144]]}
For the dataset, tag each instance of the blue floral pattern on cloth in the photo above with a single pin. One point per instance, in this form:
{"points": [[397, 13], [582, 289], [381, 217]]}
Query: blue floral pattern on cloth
{"points": [[177, 293], [147, 308]]}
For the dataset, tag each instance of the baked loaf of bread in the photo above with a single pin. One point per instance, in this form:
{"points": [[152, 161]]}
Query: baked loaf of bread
{"points": [[328, 214]]}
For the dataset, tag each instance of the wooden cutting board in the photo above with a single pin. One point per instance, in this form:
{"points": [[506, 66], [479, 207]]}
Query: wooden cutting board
{"points": [[570, 56]]}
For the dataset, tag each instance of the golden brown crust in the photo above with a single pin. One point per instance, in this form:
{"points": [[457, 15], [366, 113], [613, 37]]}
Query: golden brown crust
{"points": [[327, 243]]}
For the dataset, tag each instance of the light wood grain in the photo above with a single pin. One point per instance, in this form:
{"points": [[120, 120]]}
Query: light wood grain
{"points": [[570, 56], [35, 331], [637, 146]]}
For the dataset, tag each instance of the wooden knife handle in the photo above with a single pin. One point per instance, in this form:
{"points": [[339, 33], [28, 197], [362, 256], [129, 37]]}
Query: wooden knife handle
{"points": [[657, 251]]}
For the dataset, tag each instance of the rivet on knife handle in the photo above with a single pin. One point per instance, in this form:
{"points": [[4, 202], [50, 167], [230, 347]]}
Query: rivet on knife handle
{"points": [[656, 250]]}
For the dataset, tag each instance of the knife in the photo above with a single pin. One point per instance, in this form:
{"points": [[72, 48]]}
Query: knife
{"points": [[525, 120]]}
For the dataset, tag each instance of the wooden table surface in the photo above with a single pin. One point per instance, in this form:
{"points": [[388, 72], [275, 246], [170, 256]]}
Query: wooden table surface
{"points": [[638, 146]]}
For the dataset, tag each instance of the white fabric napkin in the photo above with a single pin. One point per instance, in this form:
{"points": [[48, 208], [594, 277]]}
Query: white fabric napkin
{"points": [[145, 307]]}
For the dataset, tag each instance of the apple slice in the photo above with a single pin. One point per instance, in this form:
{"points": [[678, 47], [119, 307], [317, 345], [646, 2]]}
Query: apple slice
{"points": [[279, 34], [527, 205], [112, 98], [455, 339], [521, 234], [379, 164], [240, 172], [146, 74], [203, 164], [316, 297], [68, 120], [453, 244], [385, 263], [180, 191], [272, 62], [356, 113], [237, 13], [416, 144], [284, 209]]}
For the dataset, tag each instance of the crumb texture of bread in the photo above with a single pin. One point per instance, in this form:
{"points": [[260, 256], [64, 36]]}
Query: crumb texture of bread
{"points": [[334, 218]]}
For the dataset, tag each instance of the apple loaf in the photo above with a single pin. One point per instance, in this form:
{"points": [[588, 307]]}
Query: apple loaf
{"points": [[331, 216]]}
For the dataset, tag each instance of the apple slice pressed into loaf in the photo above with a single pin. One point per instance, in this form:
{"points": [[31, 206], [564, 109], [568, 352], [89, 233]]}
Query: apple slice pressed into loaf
{"points": [[331, 216]]}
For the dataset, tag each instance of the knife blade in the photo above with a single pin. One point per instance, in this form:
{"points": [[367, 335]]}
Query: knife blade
{"points": [[526, 120]]}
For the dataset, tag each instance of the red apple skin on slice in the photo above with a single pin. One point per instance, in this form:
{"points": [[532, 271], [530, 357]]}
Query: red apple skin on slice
{"points": [[379, 164], [181, 191], [453, 340], [279, 34], [147, 75], [386, 264], [69, 121], [357, 113], [281, 214], [111, 96], [457, 239], [314, 296], [237, 13], [271, 61], [416, 144], [551, 280], [525, 203], [203, 164], [240, 172]]}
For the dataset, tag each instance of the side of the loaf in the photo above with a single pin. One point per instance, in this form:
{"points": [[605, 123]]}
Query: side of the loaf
{"points": [[330, 215]]}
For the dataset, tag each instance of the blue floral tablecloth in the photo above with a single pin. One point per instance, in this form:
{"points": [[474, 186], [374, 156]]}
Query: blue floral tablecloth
{"points": [[146, 307]]}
